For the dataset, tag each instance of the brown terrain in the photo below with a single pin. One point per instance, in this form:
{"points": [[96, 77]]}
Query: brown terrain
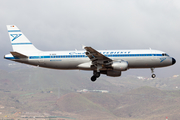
{"points": [[52, 94]]}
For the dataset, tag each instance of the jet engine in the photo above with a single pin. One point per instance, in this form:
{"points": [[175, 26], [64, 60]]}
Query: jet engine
{"points": [[120, 65], [113, 73]]}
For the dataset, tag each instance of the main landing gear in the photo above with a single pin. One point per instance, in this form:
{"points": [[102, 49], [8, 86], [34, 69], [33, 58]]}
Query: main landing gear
{"points": [[95, 76], [152, 71]]}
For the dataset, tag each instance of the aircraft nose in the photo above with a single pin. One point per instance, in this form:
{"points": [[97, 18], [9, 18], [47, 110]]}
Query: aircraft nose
{"points": [[173, 61]]}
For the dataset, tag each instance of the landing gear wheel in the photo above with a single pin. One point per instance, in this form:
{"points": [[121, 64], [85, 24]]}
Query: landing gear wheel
{"points": [[95, 75], [93, 78], [153, 76]]}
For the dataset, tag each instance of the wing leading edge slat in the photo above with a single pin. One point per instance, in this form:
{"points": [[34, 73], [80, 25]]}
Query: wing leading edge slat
{"points": [[96, 57]]}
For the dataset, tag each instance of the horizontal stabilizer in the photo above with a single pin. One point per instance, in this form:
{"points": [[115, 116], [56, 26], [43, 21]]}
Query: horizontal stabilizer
{"points": [[19, 55]]}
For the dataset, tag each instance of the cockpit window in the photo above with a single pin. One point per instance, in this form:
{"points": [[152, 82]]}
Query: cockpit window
{"points": [[164, 54]]}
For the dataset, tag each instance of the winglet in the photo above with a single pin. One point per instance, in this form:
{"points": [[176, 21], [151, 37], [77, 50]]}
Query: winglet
{"points": [[19, 55], [83, 46]]}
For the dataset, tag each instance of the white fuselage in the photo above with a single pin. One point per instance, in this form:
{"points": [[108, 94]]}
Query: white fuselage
{"points": [[73, 59]]}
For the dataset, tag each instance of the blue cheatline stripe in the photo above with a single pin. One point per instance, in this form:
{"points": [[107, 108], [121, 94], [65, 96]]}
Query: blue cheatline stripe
{"points": [[84, 56], [21, 43], [11, 58], [14, 30]]}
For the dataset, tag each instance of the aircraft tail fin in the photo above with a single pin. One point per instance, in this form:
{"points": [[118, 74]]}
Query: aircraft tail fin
{"points": [[19, 41]]}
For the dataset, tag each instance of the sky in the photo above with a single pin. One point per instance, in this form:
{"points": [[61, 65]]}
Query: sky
{"points": [[102, 24]]}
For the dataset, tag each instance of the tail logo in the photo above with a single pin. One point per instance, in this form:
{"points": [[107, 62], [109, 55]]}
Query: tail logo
{"points": [[15, 36]]}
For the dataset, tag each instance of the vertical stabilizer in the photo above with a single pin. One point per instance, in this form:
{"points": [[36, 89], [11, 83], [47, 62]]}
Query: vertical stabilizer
{"points": [[19, 41]]}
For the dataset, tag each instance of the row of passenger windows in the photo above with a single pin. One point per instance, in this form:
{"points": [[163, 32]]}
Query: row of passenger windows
{"points": [[68, 56], [81, 56], [75, 56]]}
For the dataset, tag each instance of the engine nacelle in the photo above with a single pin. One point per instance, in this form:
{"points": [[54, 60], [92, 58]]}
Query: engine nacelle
{"points": [[120, 65], [113, 73]]}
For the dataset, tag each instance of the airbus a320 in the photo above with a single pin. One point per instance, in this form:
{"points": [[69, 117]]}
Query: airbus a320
{"points": [[108, 62]]}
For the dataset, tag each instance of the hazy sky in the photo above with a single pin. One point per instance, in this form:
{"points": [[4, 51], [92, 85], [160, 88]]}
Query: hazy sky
{"points": [[101, 24]]}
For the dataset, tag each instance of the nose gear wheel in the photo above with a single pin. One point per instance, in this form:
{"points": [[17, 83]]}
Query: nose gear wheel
{"points": [[152, 71]]}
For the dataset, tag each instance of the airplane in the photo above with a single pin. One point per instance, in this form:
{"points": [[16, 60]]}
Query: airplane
{"points": [[108, 62]]}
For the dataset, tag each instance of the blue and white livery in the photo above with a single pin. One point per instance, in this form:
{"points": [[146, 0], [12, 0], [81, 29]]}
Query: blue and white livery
{"points": [[109, 62]]}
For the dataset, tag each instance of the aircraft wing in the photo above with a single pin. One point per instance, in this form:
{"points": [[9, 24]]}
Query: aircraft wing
{"points": [[96, 57]]}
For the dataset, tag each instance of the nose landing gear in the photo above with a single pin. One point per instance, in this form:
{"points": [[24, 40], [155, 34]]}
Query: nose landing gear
{"points": [[152, 71]]}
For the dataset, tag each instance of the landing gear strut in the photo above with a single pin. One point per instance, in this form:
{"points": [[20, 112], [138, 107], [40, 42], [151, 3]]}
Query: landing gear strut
{"points": [[152, 71], [95, 76]]}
